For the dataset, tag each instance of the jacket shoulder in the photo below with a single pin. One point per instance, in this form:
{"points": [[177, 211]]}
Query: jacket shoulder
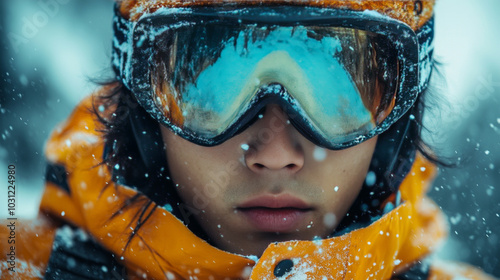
{"points": [[27, 249], [444, 270]]}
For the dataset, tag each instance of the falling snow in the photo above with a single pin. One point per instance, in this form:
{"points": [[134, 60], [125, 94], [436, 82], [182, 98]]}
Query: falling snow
{"points": [[319, 153]]}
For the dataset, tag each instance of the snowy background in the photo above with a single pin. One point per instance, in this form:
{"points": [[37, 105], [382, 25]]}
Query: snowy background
{"points": [[51, 49]]}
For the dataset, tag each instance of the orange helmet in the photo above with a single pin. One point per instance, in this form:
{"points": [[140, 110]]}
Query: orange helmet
{"points": [[415, 13]]}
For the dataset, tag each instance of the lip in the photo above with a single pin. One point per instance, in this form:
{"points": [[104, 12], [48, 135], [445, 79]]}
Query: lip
{"points": [[275, 201], [275, 213]]}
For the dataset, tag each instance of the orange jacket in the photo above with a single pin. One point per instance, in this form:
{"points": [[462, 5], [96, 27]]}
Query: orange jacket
{"points": [[164, 248]]}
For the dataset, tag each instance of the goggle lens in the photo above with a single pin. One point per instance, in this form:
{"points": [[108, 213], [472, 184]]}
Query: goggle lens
{"points": [[343, 80]]}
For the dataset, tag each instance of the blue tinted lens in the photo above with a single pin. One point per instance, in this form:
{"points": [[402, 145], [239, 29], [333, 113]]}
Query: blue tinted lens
{"points": [[342, 80]]}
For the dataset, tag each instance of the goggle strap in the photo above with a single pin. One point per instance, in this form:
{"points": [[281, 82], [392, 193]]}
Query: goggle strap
{"points": [[121, 47], [404, 154], [425, 37]]}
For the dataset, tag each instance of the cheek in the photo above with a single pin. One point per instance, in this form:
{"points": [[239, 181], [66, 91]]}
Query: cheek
{"points": [[352, 162], [348, 169], [202, 173]]}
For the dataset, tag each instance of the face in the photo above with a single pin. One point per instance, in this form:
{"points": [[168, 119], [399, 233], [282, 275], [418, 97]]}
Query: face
{"points": [[266, 184]]}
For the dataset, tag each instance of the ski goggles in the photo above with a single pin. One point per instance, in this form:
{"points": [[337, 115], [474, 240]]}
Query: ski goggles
{"points": [[206, 73]]}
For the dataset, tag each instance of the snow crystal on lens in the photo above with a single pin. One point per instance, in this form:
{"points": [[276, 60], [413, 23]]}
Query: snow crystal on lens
{"points": [[319, 154]]}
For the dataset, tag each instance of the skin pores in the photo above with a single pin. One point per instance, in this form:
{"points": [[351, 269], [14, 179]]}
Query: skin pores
{"points": [[266, 184]]}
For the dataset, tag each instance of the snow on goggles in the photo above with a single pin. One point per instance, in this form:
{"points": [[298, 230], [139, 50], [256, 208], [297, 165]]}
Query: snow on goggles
{"points": [[342, 76]]}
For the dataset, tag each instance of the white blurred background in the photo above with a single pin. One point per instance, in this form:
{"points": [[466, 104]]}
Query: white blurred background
{"points": [[51, 49]]}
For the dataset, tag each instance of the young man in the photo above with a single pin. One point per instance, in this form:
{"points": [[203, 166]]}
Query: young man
{"points": [[248, 140]]}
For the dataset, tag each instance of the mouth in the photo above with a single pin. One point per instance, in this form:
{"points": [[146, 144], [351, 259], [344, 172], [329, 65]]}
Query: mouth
{"points": [[275, 213]]}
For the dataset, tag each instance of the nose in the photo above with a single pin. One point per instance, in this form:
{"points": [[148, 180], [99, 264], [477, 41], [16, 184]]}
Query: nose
{"points": [[274, 144]]}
